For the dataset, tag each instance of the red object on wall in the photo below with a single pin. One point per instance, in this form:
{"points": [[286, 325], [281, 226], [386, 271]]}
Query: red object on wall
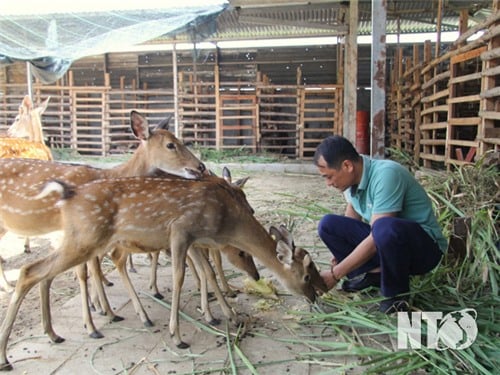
{"points": [[363, 132]]}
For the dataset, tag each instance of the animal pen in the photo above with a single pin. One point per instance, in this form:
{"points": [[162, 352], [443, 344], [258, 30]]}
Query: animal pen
{"points": [[442, 105]]}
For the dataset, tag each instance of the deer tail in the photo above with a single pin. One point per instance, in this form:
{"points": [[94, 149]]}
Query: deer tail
{"points": [[65, 190]]}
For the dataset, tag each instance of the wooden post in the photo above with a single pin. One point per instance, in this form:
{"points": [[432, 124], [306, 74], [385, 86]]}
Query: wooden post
{"points": [[379, 13], [351, 74]]}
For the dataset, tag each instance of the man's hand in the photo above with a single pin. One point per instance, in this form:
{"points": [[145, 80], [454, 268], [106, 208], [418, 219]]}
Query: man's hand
{"points": [[328, 276]]}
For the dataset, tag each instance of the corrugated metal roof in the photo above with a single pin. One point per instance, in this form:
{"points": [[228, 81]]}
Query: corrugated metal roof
{"points": [[264, 19]]}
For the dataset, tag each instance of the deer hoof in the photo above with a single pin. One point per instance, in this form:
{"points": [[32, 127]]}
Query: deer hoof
{"points": [[158, 296], [231, 294], [183, 345], [96, 335], [214, 322], [148, 323], [58, 340], [117, 318], [6, 367], [132, 269]]}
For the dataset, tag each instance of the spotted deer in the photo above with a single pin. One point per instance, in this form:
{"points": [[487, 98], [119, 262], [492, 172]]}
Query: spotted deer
{"points": [[236, 257], [25, 135], [120, 254], [149, 214], [22, 178]]}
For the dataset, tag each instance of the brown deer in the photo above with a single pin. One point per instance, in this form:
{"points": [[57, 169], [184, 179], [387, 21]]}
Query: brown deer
{"points": [[22, 178], [236, 257], [25, 136], [119, 255], [150, 214]]}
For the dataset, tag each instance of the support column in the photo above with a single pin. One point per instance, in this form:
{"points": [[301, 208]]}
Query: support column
{"points": [[378, 78], [351, 74], [176, 92]]}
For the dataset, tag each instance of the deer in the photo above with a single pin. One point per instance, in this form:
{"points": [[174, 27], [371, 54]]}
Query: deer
{"points": [[25, 136], [236, 257], [149, 214], [120, 254], [21, 178]]}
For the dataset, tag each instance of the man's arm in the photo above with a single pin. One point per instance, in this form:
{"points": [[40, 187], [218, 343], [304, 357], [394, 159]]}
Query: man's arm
{"points": [[361, 254], [349, 212]]}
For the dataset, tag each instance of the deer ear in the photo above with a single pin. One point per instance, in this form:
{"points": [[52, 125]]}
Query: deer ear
{"points": [[241, 182], [44, 105], [284, 253], [273, 231], [139, 125], [306, 262], [27, 103], [226, 175], [286, 235]]}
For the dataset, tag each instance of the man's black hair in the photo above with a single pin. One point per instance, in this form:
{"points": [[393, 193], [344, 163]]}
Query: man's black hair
{"points": [[335, 149]]}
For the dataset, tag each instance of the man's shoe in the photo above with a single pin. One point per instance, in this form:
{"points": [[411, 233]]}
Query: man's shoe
{"points": [[368, 280], [394, 304]]}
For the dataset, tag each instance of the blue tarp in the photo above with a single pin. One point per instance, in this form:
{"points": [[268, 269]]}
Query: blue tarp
{"points": [[51, 42]]}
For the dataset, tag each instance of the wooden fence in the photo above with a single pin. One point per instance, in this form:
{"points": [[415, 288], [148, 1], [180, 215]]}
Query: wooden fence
{"points": [[255, 116], [445, 110]]}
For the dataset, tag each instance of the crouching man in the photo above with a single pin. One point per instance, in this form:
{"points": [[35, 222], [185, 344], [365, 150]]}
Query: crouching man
{"points": [[389, 230]]}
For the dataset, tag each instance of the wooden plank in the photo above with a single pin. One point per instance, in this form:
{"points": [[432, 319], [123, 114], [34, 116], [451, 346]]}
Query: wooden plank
{"points": [[433, 142], [437, 78], [464, 121], [491, 54], [464, 99], [493, 141], [438, 108], [438, 95], [492, 71], [490, 115], [434, 126], [465, 78], [435, 157], [459, 142], [468, 55], [491, 93]]}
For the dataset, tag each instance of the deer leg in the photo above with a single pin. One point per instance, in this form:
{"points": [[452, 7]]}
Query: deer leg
{"points": [[95, 266], [217, 260], [103, 278], [4, 283], [88, 323], [22, 288], [119, 257], [131, 264], [179, 248], [27, 248], [210, 277], [153, 285], [31, 274], [205, 306], [46, 314], [196, 276]]}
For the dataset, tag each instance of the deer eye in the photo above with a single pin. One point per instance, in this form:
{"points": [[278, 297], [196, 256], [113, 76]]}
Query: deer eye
{"points": [[307, 278], [241, 254], [170, 146]]}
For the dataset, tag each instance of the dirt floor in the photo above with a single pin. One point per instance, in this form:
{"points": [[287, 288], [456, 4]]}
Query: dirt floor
{"points": [[271, 337]]}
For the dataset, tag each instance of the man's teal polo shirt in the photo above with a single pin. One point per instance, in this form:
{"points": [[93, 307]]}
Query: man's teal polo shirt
{"points": [[388, 187]]}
